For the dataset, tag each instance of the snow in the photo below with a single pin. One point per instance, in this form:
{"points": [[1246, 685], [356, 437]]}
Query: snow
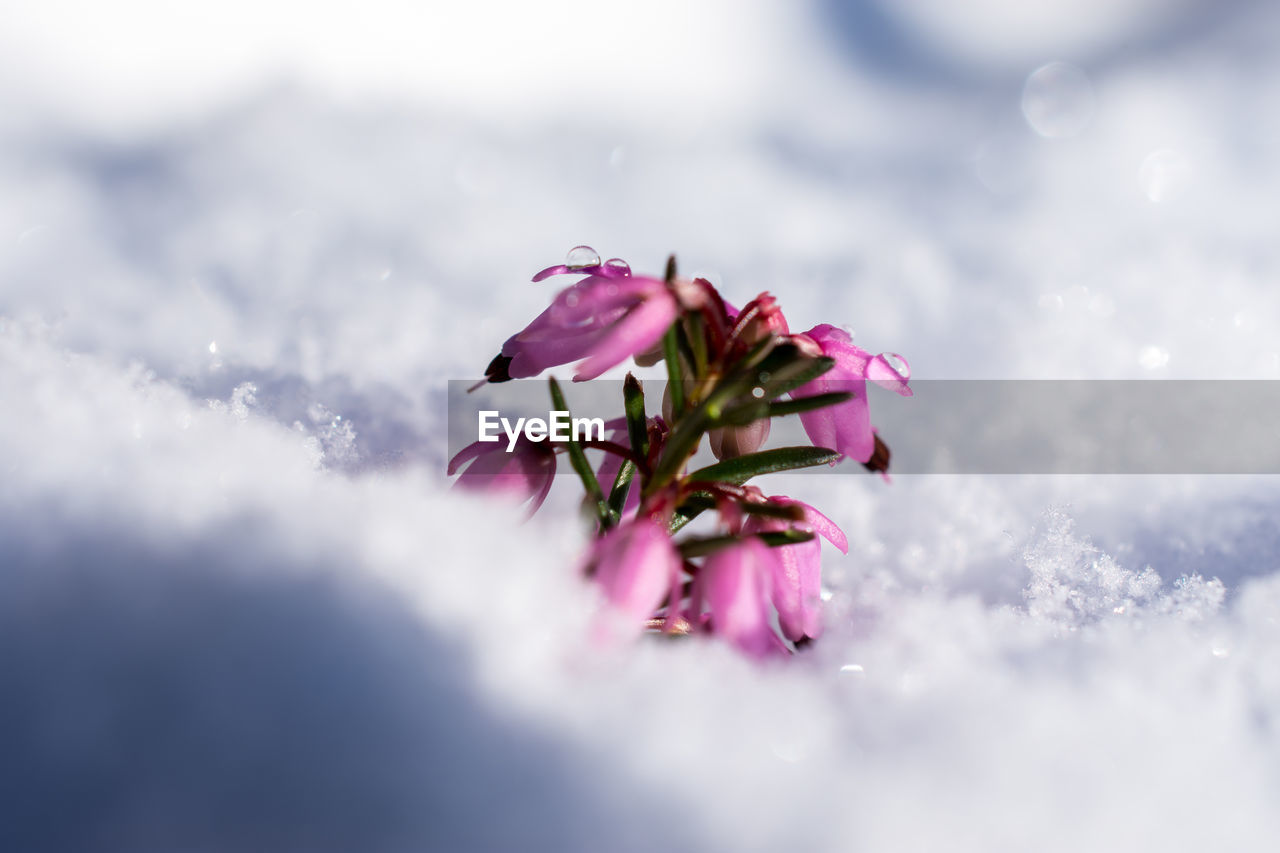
{"points": [[241, 257]]}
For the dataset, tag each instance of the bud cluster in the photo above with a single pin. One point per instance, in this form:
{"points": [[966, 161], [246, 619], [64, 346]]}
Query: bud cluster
{"points": [[730, 372]]}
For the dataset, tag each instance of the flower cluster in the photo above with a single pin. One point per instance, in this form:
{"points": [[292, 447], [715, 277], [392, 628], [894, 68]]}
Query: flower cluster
{"points": [[730, 372]]}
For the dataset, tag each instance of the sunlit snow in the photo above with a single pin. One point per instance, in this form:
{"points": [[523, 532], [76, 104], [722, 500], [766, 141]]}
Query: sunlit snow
{"points": [[241, 257]]}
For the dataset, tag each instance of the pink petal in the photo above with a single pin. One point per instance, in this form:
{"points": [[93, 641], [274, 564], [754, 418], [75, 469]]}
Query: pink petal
{"points": [[471, 451], [825, 527], [635, 565], [882, 372], [845, 427], [636, 332], [604, 269], [797, 589], [735, 588]]}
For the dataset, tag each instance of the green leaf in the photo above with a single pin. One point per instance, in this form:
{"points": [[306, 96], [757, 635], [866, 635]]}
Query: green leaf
{"points": [[780, 408], [794, 372], [780, 538], [743, 468], [637, 423], [692, 507], [704, 545], [671, 354], [697, 343], [621, 486], [754, 410], [681, 518], [785, 512], [579, 461]]}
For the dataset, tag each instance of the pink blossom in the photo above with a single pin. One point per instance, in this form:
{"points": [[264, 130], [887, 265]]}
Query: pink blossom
{"points": [[526, 472], [796, 570], [598, 322], [735, 582], [758, 318], [636, 565], [846, 428]]}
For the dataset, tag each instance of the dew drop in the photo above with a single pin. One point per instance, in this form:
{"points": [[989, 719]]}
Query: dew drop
{"points": [[896, 363], [617, 265], [757, 392], [571, 298], [581, 257]]}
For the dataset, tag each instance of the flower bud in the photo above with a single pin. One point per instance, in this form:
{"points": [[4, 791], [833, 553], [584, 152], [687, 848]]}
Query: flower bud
{"points": [[763, 317], [733, 441]]}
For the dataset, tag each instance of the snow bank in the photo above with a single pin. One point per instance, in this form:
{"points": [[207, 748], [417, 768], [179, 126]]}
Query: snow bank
{"points": [[240, 609]]}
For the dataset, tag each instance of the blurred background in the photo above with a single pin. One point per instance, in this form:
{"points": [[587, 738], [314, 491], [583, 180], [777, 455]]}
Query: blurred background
{"points": [[244, 246]]}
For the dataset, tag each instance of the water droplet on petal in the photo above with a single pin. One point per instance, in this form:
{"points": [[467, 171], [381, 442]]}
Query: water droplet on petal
{"points": [[617, 266], [580, 257], [896, 363], [571, 298]]}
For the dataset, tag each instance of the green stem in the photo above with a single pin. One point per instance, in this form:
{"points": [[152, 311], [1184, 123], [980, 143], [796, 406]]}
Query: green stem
{"points": [[671, 354], [579, 461]]}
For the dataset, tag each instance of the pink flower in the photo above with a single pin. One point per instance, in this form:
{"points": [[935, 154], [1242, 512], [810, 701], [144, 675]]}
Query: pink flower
{"points": [[526, 472], [735, 582], [758, 318], [598, 322], [846, 428], [636, 565], [796, 570]]}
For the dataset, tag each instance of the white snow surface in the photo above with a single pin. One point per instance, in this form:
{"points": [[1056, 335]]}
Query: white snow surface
{"points": [[240, 608]]}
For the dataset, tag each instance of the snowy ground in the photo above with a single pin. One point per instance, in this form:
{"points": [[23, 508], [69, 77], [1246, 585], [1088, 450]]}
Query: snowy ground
{"points": [[241, 256]]}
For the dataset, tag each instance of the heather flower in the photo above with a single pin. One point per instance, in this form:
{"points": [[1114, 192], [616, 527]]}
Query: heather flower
{"points": [[525, 472], [846, 427], [796, 571], [599, 322], [725, 367], [636, 565], [758, 318], [735, 582]]}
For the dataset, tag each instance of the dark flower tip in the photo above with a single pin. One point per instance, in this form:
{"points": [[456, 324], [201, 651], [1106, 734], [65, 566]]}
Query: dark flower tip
{"points": [[879, 461], [498, 369]]}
